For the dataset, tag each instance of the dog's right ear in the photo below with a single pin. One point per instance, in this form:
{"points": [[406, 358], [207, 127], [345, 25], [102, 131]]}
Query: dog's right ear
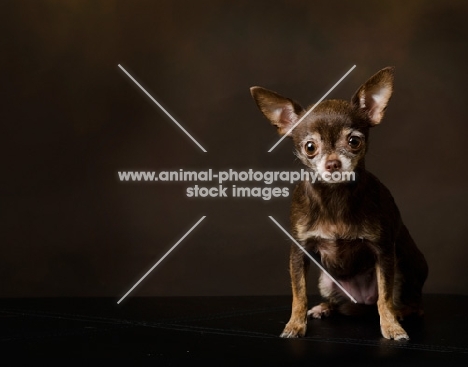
{"points": [[281, 111], [373, 96]]}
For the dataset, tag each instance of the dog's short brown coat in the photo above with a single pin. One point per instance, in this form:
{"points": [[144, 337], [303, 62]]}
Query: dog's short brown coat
{"points": [[355, 227]]}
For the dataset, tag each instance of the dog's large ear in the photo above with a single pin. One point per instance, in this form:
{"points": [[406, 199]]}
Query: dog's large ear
{"points": [[281, 111], [372, 97]]}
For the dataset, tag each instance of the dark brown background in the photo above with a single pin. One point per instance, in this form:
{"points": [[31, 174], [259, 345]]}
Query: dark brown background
{"points": [[71, 119]]}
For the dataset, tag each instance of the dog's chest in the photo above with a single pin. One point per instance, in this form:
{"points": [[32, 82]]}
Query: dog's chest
{"points": [[345, 258], [345, 250], [340, 230]]}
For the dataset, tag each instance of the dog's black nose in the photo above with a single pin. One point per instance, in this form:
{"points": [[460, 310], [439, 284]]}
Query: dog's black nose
{"points": [[333, 165]]}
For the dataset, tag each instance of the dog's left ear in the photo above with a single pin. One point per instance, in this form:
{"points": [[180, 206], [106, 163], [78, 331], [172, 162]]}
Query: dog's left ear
{"points": [[281, 111], [372, 97]]}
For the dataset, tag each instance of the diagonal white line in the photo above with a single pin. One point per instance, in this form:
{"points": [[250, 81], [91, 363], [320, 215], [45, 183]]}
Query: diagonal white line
{"points": [[161, 259], [315, 261], [162, 108], [311, 109]]}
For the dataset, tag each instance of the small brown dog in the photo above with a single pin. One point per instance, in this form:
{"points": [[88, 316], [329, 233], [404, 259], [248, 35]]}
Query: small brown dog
{"points": [[354, 226]]}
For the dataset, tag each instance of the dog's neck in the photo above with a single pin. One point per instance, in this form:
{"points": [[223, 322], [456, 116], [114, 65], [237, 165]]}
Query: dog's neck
{"points": [[338, 199]]}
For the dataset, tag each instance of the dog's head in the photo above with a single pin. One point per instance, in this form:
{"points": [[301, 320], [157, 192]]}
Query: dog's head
{"points": [[334, 136]]}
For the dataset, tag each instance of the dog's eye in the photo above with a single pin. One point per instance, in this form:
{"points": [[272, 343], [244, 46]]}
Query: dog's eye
{"points": [[310, 148], [355, 142]]}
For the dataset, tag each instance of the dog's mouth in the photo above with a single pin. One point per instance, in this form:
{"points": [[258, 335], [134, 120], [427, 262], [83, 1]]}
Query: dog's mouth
{"points": [[333, 169], [336, 176]]}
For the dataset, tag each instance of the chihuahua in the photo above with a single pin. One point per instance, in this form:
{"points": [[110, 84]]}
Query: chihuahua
{"points": [[353, 227]]}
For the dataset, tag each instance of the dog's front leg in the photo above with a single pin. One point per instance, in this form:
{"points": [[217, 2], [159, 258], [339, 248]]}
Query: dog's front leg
{"points": [[298, 267], [389, 325]]}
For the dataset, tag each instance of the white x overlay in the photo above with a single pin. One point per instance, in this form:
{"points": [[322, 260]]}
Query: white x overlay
{"points": [[202, 218]]}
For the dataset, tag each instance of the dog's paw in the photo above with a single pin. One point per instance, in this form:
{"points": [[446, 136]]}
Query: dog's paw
{"points": [[394, 331], [319, 311], [294, 330]]}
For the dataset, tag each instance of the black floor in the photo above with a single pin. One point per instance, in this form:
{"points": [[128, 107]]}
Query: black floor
{"points": [[221, 331]]}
